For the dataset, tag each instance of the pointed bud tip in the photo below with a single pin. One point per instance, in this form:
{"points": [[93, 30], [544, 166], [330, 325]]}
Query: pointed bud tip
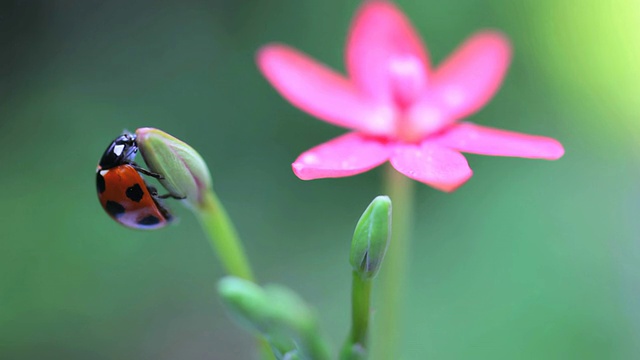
{"points": [[247, 302]]}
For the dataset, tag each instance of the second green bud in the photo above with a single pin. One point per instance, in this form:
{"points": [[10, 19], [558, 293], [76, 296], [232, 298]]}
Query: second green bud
{"points": [[371, 238]]}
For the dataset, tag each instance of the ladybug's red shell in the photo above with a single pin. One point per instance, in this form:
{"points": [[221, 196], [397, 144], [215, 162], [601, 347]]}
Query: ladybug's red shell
{"points": [[127, 199]]}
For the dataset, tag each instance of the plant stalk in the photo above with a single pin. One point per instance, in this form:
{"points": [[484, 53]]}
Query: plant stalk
{"points": [[224, 239], [356, 345], [388, 325]]}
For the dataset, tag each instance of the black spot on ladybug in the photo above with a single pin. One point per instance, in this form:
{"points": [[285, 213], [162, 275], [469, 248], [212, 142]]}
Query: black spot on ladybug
{"points": [[135, 193], [114, 209], [149, 220], [100, 183]]}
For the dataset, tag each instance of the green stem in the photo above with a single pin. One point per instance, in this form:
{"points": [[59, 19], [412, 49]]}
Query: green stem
{"points": [[226, 243], [387, 333], [223, 237], [357, 342], [314, 347]]}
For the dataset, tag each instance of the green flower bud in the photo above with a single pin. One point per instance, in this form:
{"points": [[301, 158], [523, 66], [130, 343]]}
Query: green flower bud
{"points": [[355, 352], [250, 306], [294, 318], [292, 355], [291, 312], [279, 314], [371, 238], [185, 174], [247, 302]]}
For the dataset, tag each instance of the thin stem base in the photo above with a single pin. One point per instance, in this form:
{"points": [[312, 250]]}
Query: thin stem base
{"points": [[224, 237], [356, 346], [388, 325], [226, 244]]}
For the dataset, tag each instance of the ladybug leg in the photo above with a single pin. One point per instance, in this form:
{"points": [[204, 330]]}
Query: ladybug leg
{"points": [[146, 172], [166, 196], [154, 192]]}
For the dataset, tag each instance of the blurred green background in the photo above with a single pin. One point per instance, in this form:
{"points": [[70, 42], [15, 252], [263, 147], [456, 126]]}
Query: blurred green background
{"points": [[529, 260]]}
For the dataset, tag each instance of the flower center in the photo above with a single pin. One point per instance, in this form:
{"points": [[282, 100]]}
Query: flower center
{"points": [[408, 80]]}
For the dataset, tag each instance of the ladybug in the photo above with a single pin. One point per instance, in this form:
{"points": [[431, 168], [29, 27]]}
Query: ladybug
{"points": [[123, 193]]}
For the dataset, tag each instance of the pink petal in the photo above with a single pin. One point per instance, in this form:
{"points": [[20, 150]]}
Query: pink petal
{"points": [[319, 90], [382, 39], [346, 155], [476, 139], [442, 168], [470, 77]]}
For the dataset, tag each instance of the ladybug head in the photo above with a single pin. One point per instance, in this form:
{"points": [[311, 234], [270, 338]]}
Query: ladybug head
{"points": [[121, 151]]}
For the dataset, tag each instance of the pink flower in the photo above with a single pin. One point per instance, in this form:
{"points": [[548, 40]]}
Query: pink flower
{"points": [[398, 107]]}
